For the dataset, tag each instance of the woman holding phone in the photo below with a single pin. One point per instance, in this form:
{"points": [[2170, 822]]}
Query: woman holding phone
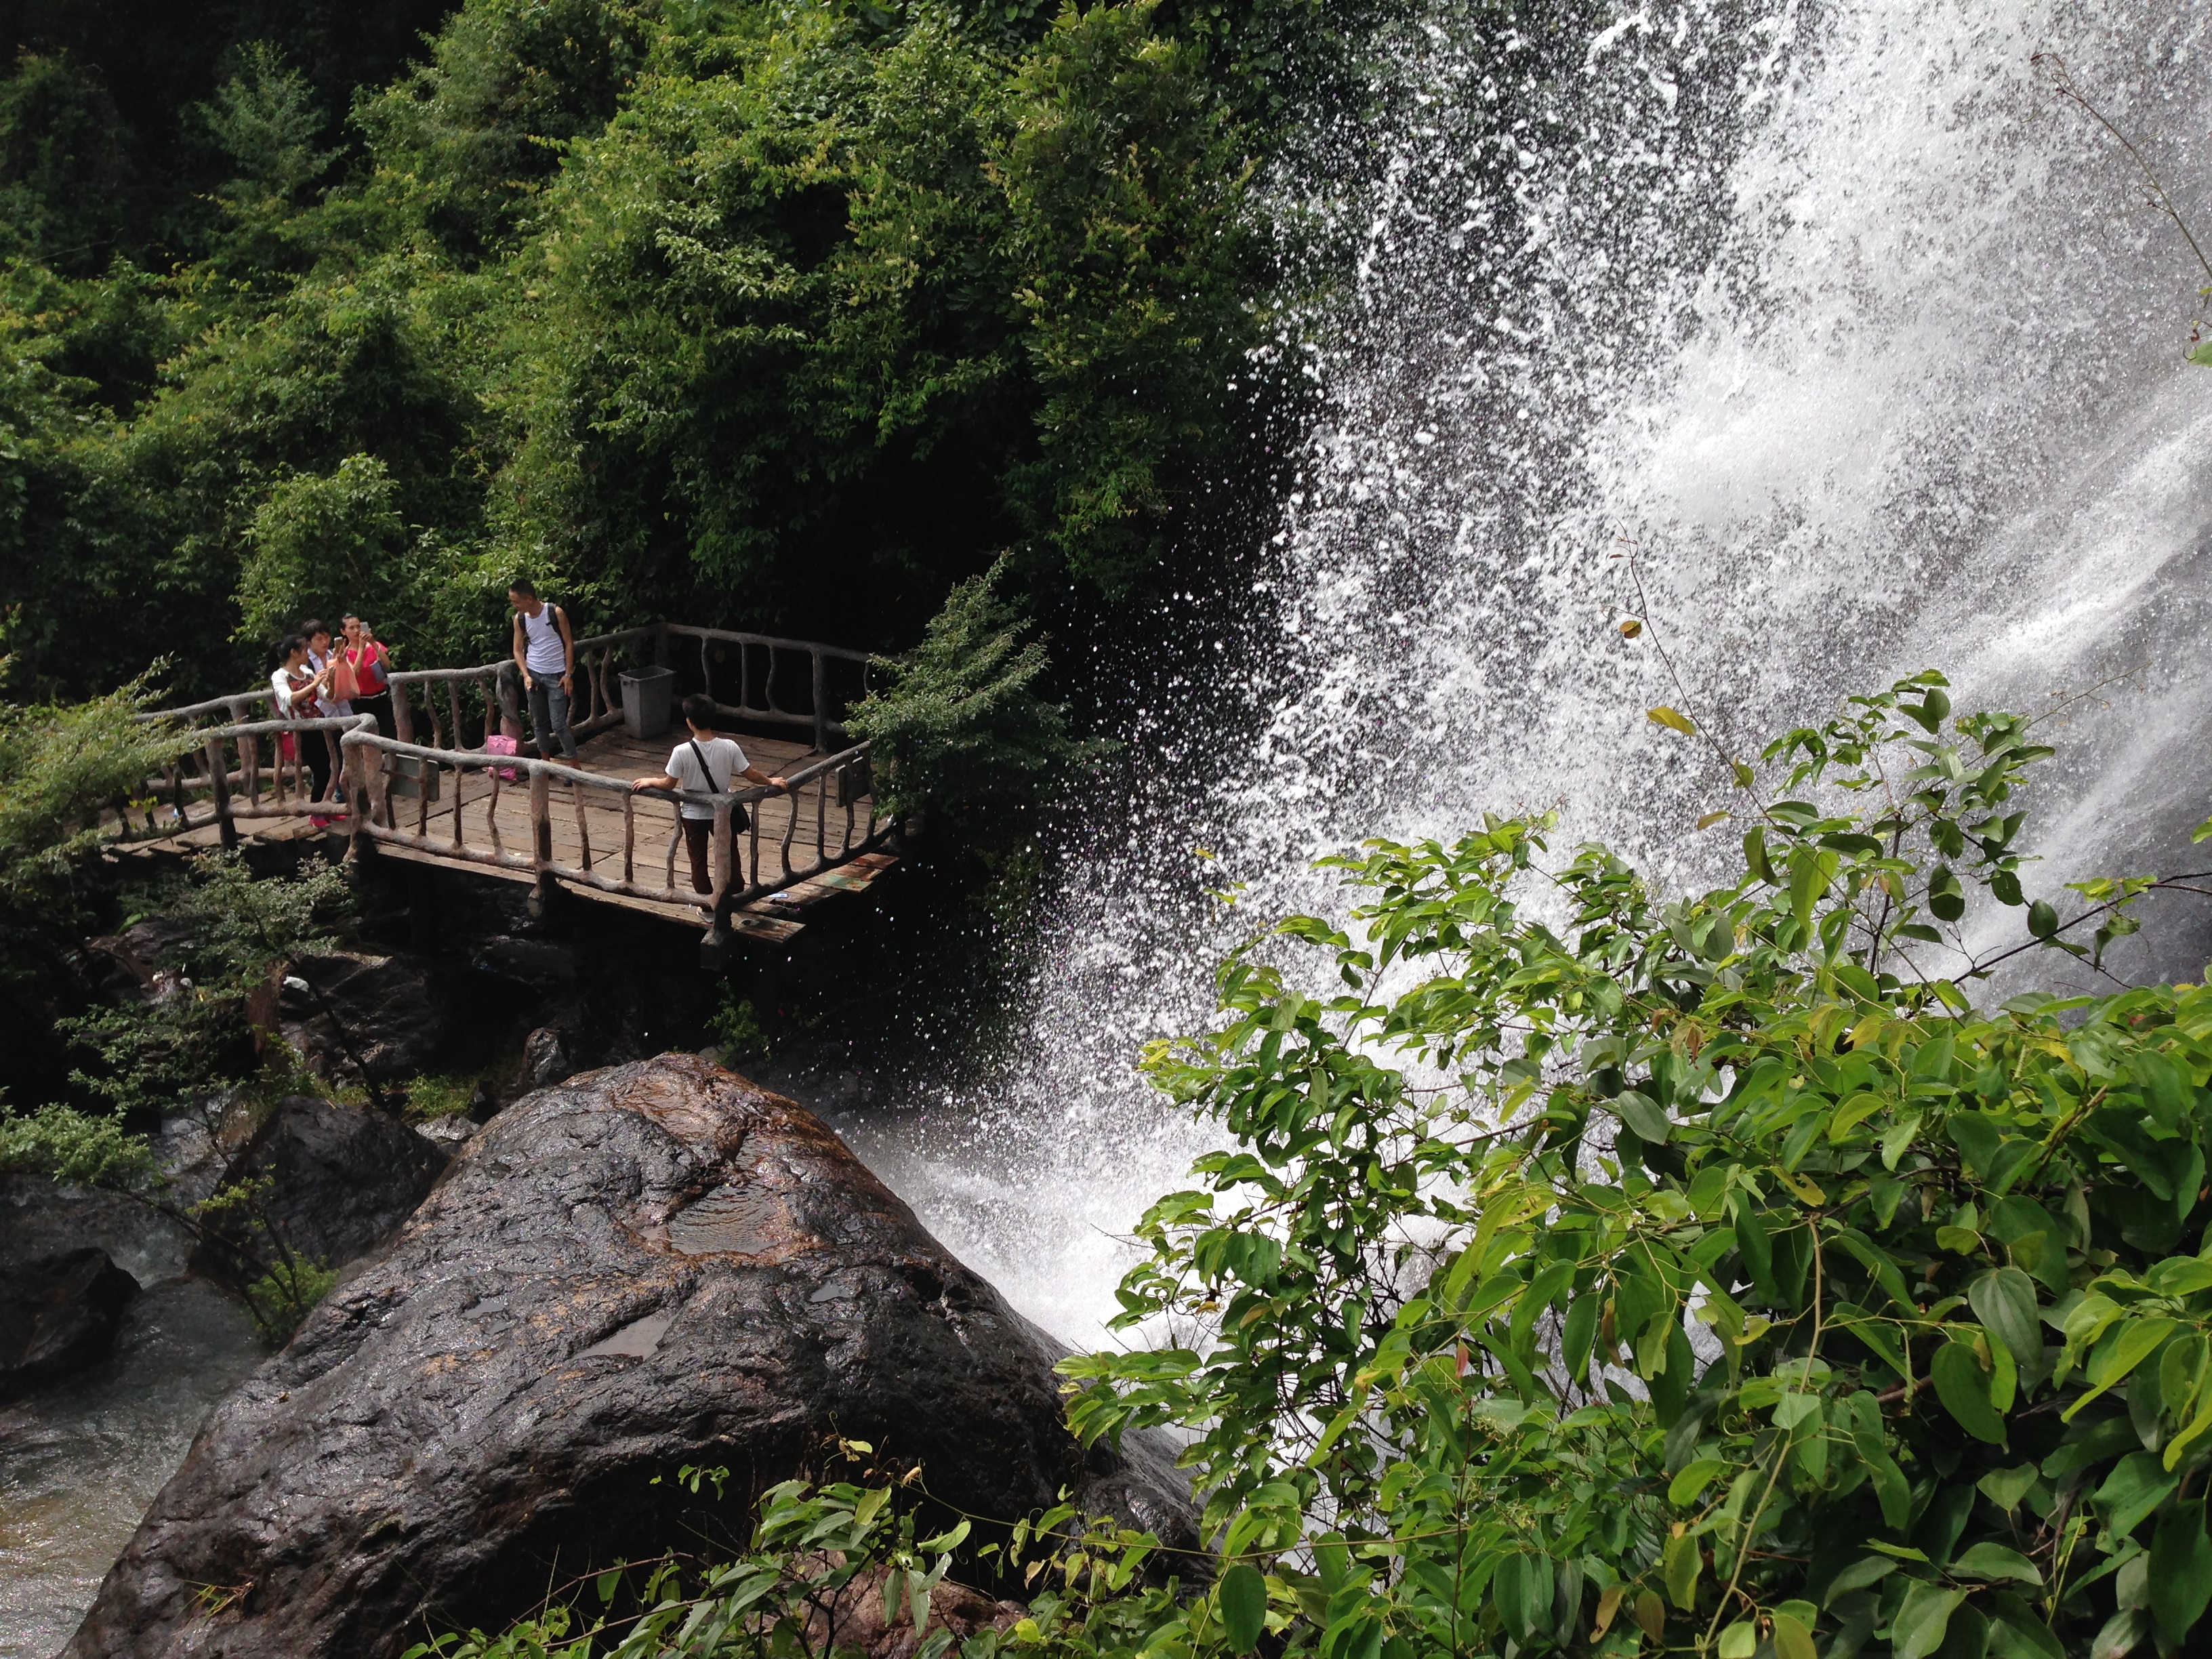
{"points": [[368, 660], [295, 688]]}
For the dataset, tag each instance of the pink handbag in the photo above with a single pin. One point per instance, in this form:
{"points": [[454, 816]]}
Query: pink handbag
{"points": [[499, 743]]}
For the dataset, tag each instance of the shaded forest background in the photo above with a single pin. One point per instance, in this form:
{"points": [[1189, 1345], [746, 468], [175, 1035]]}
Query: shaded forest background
{"points": [[772, 315]]}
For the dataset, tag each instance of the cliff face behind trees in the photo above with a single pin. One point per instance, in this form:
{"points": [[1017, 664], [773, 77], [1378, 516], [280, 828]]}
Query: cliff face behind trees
{"points": [[782, 316]]}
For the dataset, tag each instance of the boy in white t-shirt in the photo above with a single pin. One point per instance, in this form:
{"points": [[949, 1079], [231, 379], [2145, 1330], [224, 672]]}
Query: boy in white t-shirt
{"points": [[705, 764]]}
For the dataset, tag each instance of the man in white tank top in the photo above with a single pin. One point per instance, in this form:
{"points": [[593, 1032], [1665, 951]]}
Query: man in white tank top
{"points": [[545, 652]]}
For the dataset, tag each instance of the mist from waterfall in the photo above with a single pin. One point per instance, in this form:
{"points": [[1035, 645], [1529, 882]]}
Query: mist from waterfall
{"points": [[1836, 327]]}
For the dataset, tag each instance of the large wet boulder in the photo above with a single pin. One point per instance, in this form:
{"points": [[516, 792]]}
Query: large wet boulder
{"points": [[57, 1315], [325, 1182], [651, 1265]]}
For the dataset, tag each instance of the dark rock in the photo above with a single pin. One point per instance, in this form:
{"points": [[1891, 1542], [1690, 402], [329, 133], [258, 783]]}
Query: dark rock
{"points": [[655, 1265], [58, 1314], [340, 1182], [541, 964], [384, 1016], [545, 1058], [40, 1218]]}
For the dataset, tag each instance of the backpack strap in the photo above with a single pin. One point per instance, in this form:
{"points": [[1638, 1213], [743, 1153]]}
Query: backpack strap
{"points": [[713, 788]]}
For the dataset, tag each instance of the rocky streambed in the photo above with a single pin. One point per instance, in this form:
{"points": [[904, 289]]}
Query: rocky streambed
{"points": [[645, 1266]]}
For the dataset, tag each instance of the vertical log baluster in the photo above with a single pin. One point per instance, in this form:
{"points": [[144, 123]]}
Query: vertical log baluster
{"points": [[583, 829], [541, 815], [491, 810], [706, 667], [453, 707], [821, 819], [629, 836], [460, 789], [219, 784], [669, 884], [790, 829], [725, 889], [403, 712]]}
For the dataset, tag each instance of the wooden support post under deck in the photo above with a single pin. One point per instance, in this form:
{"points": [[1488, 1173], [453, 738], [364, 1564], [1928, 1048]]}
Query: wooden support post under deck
{"points": [[219, 781]]}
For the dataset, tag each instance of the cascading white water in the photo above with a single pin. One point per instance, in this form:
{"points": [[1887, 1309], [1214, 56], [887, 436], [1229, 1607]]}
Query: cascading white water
{"points": [[1842, 325]]}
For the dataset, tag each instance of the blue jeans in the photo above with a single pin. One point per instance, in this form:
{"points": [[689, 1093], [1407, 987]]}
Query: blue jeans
{"points": [[549, 717]]}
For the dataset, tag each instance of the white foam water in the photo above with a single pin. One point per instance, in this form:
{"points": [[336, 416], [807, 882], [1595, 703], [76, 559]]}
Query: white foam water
{"points": [[1838, 328]]}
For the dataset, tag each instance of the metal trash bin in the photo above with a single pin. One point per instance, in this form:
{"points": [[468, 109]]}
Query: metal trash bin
{"points": [[647, 694]]}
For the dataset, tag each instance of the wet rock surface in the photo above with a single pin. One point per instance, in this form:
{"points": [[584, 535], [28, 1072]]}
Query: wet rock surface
{"points": [[58, 1314], [384, 1016], [339, 1182], [653, 1265]]}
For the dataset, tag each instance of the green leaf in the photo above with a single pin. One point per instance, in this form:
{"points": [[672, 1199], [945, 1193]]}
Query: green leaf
{"points": [[1691, 1481], [2042, 920], [1643, 1114], [1244, 1600], [2006, 1487], [1739, 1640], [2137, 1485], [1947, 899], [1852, 1113], [1673, 719], [1579, 1334], [1755, 856], [1872, 1570], [1964, 1388], [2132, 1342], [1995, 1562], [1791, 1639], [2180, 1571], [1679, 1568], [2003, 1300], [1921, 1619], [2122, 1632]]}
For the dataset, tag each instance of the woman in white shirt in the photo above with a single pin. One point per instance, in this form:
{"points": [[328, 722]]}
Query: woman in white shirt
{"points": [[707, 763], [296, 690]]}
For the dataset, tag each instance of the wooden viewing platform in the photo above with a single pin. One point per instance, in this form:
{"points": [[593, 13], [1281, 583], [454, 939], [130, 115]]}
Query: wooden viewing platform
{"points": [[454, 803]]}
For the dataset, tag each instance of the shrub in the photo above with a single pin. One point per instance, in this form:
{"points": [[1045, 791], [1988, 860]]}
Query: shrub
{"points": [[1700, 1274], [76, 1148], [957, 721]]}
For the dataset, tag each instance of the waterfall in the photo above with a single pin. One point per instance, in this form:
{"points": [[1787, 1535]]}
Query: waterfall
{"points": [[1838, 328]]}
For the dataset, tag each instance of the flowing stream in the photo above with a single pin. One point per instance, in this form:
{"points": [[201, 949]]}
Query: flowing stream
{"points": [[1840, 329]]}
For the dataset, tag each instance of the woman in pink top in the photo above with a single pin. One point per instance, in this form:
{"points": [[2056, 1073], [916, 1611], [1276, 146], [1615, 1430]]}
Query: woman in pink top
{"points": [[370, 658]]}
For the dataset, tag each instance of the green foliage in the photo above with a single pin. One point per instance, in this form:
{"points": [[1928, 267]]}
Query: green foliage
{"points": [[1698, 1274], [64, 170], [439, 1096], [197, 1026], [957, 721], [816, 1551], [282, 1298], [281, 1286], [773, 316], [737, 1030], [321, 546], [60, 766], [76, 1148]]}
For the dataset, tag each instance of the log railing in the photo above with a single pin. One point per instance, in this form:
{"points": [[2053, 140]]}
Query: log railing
{"points": [[774, 657], [442, 799], [240, 771], [456, 817]]}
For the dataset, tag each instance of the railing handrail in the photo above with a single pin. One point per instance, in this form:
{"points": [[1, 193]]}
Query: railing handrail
{"points": [[738, 636]]}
